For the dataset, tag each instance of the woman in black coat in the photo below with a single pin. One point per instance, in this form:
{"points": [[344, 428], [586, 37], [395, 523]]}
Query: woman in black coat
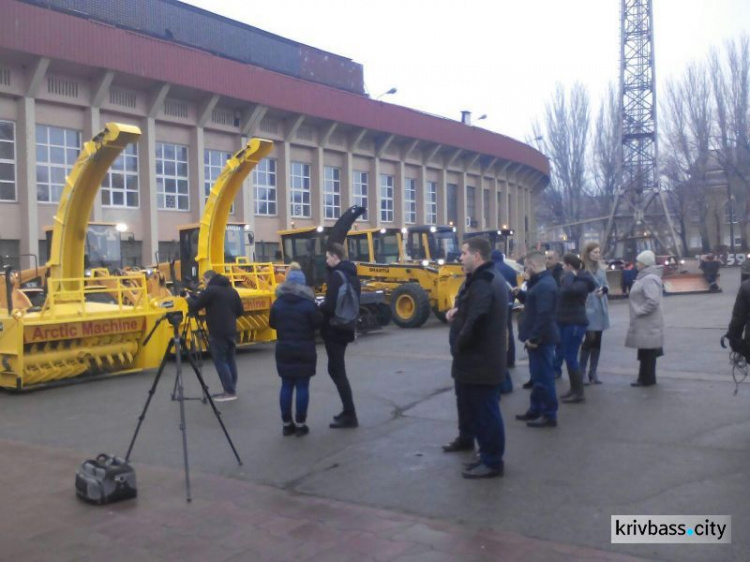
{"points": [[295, 317], [575, 285]]}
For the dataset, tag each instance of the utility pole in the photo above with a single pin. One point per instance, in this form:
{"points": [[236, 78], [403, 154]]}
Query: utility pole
{"points": [[639, 155]]}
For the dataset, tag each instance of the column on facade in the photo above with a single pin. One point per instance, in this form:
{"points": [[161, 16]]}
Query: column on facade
{"points": [[26, 155], [443, 197], [197, 170], [317, 184], [399, 195], [480, 203], [421, 195], [373, 190], [147, 181], [531, 228], [284, 167], [461, 204], [494, 193]]}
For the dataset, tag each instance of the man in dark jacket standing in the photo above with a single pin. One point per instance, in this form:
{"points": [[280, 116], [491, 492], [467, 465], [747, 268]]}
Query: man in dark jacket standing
{"points": [[336, 338], [509, 274], [538, 330], [478, 323], [223, 306]]}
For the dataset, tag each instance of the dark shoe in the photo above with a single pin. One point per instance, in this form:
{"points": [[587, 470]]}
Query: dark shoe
{"points": [[338, 416], [573, 399], [344, 422], [288, 430], [528, 384], [639, 383], [527, 417], [475, 462], [458, 444], [482, 471], [302, 430], [542, 422]]}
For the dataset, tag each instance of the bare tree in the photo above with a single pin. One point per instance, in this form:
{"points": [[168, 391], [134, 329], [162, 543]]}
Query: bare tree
{"points": [[564, 140], [606, 151], [687, 126], [731, 88]]}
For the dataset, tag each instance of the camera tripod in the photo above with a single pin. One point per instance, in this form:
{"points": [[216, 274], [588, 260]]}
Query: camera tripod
{"points": [[176, 345]]}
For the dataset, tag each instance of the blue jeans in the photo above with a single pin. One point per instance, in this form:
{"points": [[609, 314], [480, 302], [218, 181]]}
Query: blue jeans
{"points": [[222, 353], [288, 385], [543, 395], [483, 409], [571, 336]]}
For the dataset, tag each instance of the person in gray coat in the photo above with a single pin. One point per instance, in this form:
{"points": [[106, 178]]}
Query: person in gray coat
{"points": [[597, 312], [646, 330]]}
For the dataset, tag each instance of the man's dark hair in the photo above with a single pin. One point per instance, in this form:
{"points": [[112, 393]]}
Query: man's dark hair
{"points": [[337, 250], [573, 261], [479, 245]]}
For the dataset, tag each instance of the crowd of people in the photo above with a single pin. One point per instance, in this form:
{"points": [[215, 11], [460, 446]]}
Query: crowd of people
{"points": [[565, 312]]}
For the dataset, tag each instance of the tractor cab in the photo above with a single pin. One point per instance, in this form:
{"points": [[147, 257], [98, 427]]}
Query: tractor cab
{"points": [[433, 244], [103, 245], [375, 245], [237, 241], [307, 246]]}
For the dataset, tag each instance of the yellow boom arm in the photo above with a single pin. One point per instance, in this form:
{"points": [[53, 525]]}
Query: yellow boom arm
{"points": [[213, 223], [81, 187]]}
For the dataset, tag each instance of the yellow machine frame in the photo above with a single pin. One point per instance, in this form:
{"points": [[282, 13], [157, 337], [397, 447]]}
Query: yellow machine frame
{"points": [[70, 335]]}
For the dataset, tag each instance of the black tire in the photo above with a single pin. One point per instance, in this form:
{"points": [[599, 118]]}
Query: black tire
{"points": [[441, 315], [410, 306], [384, 314]]}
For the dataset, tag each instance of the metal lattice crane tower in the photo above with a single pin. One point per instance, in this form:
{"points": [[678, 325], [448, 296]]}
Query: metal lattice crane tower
{"points": [[639, 170]]}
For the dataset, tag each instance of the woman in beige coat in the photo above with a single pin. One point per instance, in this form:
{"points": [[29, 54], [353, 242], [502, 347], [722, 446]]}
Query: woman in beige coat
{"points": [[646, 330]]}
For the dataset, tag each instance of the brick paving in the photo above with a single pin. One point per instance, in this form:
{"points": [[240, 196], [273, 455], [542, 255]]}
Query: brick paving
{"points": [[228, 520]]}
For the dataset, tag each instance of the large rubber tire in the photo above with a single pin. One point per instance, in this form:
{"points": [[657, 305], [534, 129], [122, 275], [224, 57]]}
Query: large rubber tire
{"points": [[410, 306], [384, 314], [441, 315]]}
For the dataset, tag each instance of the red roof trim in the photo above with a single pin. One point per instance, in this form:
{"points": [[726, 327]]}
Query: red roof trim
{"points": [[47, 33]]}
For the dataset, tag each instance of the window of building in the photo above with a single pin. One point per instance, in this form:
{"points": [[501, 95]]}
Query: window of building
{"points": [[56, 151], [120, 185], [359, 191], [264, 182], [430, 203], [331, 192], [452, 203], [7, 161], [299, 192], [172, 188], [386, 198], [213, 163], [471, 206], [410, 201]]}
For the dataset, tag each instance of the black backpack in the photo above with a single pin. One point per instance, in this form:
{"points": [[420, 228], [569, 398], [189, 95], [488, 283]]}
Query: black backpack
{"points": [[347, 306]]}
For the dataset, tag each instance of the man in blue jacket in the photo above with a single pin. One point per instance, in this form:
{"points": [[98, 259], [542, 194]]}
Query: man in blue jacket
{"points": [[223, 306], [538, 330], [478, 323]]}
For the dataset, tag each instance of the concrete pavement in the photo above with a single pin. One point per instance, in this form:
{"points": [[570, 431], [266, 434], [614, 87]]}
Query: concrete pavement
{"points": [[386, 491]]}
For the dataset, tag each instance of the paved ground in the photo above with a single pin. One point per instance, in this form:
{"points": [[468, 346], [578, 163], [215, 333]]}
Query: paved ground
{"points": [[386, 491]]}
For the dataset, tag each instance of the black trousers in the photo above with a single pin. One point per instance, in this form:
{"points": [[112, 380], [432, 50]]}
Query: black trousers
{"points": [[647, 370], [465, 426], [337, 369], [511, 340]]}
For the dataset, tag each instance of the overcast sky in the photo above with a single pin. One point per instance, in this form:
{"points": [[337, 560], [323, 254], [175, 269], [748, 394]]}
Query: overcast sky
{"points": [[496, 57]]}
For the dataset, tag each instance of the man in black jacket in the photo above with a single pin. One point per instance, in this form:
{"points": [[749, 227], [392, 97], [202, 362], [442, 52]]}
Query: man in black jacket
{"points": [[337, 338], [738, 332], [478, 324], [223, 306]]}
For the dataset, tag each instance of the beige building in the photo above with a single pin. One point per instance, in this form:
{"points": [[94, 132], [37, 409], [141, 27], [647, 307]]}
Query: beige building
{"points": [[64, 75]]}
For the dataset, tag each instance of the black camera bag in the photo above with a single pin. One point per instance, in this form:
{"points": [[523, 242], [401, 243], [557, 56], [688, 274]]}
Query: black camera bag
{"points": [[105, 479]]}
